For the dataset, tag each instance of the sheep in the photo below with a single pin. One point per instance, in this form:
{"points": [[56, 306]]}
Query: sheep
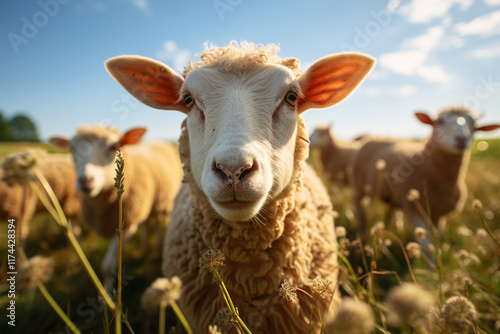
{"points": [[248, 192], [336, 156], [389, 168], [60, 173], [153, 176]]}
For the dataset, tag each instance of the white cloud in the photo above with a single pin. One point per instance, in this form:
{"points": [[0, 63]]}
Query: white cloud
{"points": [[486, 52], [434, 73], [492, 2], [141, 4], [427, 41], [177, 58], [403, 62], [401, 91], [424, 11], [486, 25], [412, 60]]}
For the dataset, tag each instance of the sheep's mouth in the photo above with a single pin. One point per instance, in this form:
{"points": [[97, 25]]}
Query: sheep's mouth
{"points": [[236, 205]]}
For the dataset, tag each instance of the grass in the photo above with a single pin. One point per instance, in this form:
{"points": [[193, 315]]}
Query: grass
{"points": [[477, 280]]}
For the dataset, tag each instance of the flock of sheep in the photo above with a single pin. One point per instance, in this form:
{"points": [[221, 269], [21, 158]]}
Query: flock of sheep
{"points": [[240, 183]]}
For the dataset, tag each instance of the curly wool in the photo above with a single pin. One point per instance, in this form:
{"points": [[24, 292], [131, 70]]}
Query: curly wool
{"points": [[296, 243], [246, 54]]}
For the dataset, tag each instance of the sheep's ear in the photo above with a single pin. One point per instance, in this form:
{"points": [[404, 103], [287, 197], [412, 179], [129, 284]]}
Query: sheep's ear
{"points": [[488, 127], [331, 79], [424, 118], [133, 136], [150, 81], [61, 142]]}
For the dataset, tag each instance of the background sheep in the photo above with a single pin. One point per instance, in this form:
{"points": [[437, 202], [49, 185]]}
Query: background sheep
{"points": [[60, 172], [389, 168], [249, 192], [336, 156], [152, 178]]}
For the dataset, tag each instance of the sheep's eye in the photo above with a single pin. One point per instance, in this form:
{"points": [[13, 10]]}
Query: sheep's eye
{"points": [[114, 147], [291, 98], [189, 101]]}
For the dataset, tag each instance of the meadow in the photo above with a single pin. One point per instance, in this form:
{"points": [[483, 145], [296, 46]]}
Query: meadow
{"points": [[466, 262]]}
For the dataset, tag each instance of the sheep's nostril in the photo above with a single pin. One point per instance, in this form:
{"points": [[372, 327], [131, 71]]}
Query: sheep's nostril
{"points": [[233, 177], [460, 142], [85, 182]]}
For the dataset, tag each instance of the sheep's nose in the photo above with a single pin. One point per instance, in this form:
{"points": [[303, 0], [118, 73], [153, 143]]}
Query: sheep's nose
{"points": [[461, 142], [233, 177], [84, 182]]}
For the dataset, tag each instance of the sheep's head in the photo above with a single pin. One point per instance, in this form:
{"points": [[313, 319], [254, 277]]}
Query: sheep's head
{"points": [[93, 150], [321, 137], [242, 107], [453, 128]]}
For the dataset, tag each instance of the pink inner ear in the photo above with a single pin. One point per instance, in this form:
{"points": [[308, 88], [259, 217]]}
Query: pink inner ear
{"points": [[488, 127], [151, 82], [133, 136], [424, 118]]}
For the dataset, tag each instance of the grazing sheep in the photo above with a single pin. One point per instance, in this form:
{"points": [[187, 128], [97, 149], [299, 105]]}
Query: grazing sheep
{"points": [[248, 191], [60, 173], [152, 179], [389, 168], [336, 156]]}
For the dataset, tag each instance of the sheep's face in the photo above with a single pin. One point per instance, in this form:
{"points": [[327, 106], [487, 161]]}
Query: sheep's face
{"points": [[94, 162], [93, 151], [242, 120], [453, 131], [242, 129], [320, 137]]}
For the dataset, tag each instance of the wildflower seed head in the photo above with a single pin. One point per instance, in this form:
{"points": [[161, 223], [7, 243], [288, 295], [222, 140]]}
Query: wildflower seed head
{"points": [[18, 167], [287, 292], [340, 231], [380, 164], [459, 315], [414, 250], [420, 233], [464, 231], [213, 329], [407, 302], [38, 269], [378, 228], [413, 195], [321, 287], [223, 321], [482, 234], [212, 259], [160, 293], [477, 204], [466, 258], [119, 178], [353, 317]]}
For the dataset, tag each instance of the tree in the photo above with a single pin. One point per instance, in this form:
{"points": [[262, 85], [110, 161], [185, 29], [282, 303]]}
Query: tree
{"points": [[5, 134], [23, 128]]}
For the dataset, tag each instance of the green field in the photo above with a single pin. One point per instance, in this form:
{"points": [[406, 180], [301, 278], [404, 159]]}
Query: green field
{"points": [[468, 265]]}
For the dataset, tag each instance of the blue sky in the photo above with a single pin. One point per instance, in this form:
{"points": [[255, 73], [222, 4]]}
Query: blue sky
{"points": [[430, 53]]}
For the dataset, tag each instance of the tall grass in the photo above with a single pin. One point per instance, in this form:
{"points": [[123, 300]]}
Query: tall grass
{"points": [[466, 264]]}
